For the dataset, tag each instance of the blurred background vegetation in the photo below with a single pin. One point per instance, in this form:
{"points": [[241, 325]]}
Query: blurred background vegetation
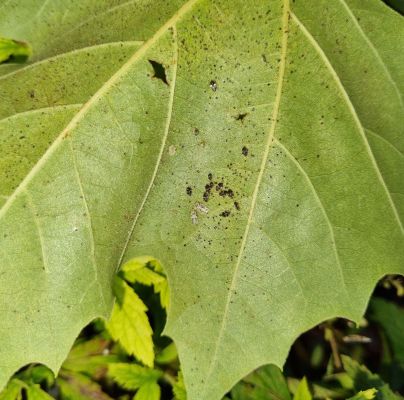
{"points": [[397, 5], [334, 360]]}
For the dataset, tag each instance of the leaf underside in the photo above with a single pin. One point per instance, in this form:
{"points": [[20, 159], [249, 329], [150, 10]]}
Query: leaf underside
{"points": [[265, 171]]}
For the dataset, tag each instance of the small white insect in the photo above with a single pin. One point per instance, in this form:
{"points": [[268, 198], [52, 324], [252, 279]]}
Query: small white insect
{"points": [[202, 208], [198, 208], [213, 85], [194, 217]]}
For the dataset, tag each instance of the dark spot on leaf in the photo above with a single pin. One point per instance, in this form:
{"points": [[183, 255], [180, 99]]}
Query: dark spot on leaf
{"points": [[240, 117], [189, 191], [213, 85], [159, 71], [227, 192], [244, 151], [225, 213], [237, 206]]}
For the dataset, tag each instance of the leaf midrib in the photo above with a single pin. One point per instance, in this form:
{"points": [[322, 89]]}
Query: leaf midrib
{"points": [[274, 119], [162, 147], [265, 156]]}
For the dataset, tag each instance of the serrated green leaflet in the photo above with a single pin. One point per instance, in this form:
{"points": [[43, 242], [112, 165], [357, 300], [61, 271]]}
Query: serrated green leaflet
{"points": [[303, 391], [129, 323], [179, 388], [150, 391], [363, 379], [266, 382], [365, 395], [34, 392], [13, 390], [133, 376], [265, 171]]}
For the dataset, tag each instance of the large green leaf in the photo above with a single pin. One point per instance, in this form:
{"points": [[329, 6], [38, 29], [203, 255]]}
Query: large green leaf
{"points": [[259, 157]]}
